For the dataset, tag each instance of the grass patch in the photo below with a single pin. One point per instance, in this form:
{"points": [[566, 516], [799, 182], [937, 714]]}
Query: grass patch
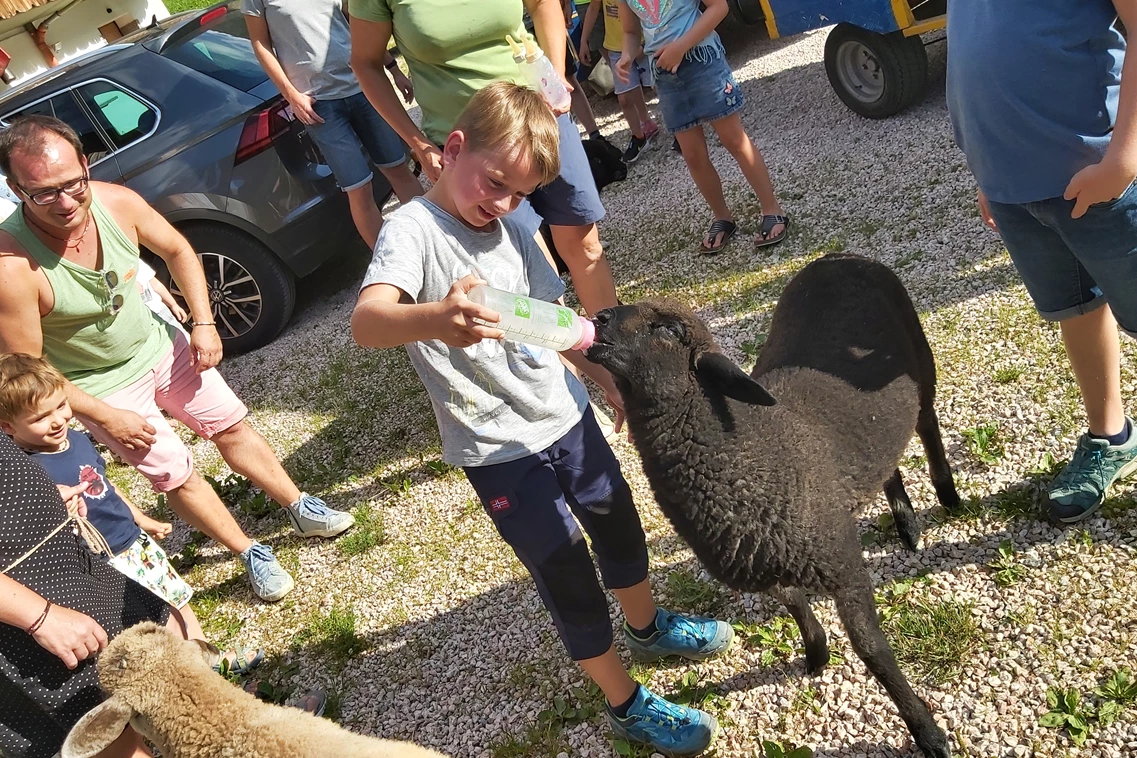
{"points": [[1008, 375], [366, 534], [931, 639], [332, 637], [689, 593], [220, 627], [177, 6], [1005, 569], [239, 491], [983, 443], [778, 639]]}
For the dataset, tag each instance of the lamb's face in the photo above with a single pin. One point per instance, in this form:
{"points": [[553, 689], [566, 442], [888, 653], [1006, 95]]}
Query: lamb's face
{"points": [[143, 648], [649, 347]]}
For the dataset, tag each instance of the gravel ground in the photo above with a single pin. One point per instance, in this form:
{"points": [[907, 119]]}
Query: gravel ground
{"points": [[436, 634]]}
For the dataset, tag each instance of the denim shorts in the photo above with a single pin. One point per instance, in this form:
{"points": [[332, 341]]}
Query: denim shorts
{"points": [[1071, 266], [639, 75], [702, 89], [351, 125]]}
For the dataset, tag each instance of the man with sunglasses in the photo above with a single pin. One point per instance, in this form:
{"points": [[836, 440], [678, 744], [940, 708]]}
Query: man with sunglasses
{"points": [[68, 263]]}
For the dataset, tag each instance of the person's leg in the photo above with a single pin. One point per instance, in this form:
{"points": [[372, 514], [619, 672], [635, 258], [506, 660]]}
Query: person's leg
{"points": [[581, 108], [737, 142], [631, 115], [199, 506], [185, 623], [365, 213], [1094, 350], [638, 105], [693, 143], [384, 147], [571, 205], [206, 404]]}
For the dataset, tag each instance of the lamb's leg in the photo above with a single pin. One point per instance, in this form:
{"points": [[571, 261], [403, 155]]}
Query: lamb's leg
{"points": [[907, 525], [928, 427], [858, 615], [812, 635]]}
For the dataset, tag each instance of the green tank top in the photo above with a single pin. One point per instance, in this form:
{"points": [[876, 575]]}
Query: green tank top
{"points": [[99, 348]]}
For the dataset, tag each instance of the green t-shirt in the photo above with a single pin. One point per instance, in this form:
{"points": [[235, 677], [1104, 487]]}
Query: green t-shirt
{"points": [[453, 49]]}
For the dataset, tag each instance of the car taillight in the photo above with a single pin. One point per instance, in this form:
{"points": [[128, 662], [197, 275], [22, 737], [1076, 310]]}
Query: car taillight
{"points": [[261, 130], [213, 15]]}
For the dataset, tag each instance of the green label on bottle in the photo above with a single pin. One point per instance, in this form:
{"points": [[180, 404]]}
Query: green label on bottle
{"points": [[521, 307], [564, 318]]}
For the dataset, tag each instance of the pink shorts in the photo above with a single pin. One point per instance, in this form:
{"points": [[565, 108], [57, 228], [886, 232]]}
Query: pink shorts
{"points": [[203, 402]]}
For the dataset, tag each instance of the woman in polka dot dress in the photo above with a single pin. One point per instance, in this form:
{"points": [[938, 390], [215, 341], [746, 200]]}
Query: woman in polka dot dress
{"points": [[58, 607]]}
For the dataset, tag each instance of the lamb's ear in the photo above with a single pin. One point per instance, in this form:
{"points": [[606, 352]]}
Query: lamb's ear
{"points": [[720, 372], [98, 728]]}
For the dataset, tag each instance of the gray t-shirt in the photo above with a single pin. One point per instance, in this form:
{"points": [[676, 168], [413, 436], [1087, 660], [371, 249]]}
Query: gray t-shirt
{"points": [[312, 41], [494, 401]]}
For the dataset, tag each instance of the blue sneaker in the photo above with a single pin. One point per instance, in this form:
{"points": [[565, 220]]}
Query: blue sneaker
{"points": [[674, 730], [693, 638], [269, 579], [311, 517], [1079, 490]]}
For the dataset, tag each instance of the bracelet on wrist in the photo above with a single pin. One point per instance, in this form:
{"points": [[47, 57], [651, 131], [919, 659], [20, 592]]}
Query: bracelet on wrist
{"points": [[196, 324], [394, 64], [39, 622]]}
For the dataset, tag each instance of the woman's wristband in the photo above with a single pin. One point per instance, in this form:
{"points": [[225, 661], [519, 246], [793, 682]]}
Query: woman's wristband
{"points": [[196, 324], [39, 622]]}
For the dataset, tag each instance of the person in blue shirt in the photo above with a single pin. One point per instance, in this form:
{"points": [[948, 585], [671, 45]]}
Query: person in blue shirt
{"points": [[1040, 108]]}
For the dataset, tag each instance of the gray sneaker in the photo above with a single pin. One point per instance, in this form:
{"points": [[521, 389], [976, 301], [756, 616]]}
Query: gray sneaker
{"points": [[269, 579], [1079, 490], [311, 517]]}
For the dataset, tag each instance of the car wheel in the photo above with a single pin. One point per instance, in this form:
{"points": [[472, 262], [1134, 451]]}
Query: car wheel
{"points": [[876, 75], [251, 293]]}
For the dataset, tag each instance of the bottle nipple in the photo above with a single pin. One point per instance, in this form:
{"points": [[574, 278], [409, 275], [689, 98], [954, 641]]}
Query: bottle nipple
{"points": [[587, 334], [518, 54], [532, 52]]}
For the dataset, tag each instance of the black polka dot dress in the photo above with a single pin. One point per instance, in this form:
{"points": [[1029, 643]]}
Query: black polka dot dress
{"points": [[40, 698]]}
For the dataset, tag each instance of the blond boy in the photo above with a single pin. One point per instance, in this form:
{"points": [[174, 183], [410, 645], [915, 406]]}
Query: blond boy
{"points": [[515, 418]]}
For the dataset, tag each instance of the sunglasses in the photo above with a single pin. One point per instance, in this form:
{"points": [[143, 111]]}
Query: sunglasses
{"points": [[49, 196], [114, 300]]}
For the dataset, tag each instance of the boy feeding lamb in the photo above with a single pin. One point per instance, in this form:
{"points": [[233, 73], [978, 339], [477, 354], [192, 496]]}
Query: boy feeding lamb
{"points": [[516, 419]]}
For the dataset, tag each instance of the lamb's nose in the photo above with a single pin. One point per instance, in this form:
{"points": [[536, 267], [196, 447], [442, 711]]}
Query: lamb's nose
{"points": [[604, 316]]}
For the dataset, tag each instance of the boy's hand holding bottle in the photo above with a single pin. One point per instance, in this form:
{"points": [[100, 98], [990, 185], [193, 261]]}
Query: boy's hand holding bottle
{"points": [[457, 316]]}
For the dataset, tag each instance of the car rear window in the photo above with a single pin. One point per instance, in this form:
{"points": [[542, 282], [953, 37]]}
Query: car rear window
{"points": [[221, 49]]}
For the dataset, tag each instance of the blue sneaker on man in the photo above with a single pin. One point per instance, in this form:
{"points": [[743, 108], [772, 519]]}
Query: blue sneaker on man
{"points": [[691, 637], [1079, 490], [269, 579], [311, 517], [674, 730]]}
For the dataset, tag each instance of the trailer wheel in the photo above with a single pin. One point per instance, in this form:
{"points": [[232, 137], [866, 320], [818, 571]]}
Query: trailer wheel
{"points": [[876, 75]]}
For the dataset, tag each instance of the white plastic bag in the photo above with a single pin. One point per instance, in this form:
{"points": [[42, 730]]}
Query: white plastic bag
{"points": [[602, 77]]}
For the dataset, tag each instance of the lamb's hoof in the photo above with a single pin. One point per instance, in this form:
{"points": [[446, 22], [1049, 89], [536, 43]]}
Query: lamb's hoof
{"points": [[934, 743], [815, 663], [910, 539]]}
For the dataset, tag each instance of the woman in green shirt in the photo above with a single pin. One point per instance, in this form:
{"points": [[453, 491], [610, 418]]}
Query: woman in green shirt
{"points": [[454, 48]]}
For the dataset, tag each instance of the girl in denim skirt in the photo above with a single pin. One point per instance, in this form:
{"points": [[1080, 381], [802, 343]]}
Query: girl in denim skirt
{"points": [[696, 87]]}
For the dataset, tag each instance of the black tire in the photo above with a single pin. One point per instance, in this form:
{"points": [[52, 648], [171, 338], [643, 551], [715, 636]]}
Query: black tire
{"points": [[250, 270], [876, 75]]}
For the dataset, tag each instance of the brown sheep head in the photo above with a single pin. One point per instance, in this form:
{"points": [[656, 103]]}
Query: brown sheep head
{"points": [[131, 672], [658, 350]]}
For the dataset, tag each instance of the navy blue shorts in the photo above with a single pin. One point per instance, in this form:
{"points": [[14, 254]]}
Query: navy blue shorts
{"points": [[533, 502], [351, 127], [1072, 266]]}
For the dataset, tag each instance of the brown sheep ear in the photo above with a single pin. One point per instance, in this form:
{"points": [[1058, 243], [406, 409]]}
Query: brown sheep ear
{"points": [[98, 728], [717, 371]]}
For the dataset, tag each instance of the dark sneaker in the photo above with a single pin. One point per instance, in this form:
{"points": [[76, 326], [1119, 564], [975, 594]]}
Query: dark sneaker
{"points": [[635, 147], [1079, 490], [690, 637], [671, 729]]}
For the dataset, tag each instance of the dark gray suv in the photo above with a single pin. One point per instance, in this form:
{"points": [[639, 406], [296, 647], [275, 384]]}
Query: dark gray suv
{"points": [[182, 113]]}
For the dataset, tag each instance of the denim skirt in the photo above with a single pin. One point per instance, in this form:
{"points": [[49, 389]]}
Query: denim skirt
{"points": [[700, 91]]}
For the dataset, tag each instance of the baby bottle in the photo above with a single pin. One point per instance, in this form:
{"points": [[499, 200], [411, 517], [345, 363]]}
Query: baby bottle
{"points": [[539, 70], [535, 322]]}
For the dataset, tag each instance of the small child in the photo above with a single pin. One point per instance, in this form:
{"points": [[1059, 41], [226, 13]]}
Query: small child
{"points": [[696, 87], [515, 418], [35, 413], [159, 299], [629, 92], [1053, 147]]}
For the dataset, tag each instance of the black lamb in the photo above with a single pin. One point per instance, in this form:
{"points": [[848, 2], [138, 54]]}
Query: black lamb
{"points": [[760, 474]]}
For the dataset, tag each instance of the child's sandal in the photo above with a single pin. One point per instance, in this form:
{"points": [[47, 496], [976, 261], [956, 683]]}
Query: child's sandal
{"points": [[719, 226], [767, 228], [241, 664]]}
